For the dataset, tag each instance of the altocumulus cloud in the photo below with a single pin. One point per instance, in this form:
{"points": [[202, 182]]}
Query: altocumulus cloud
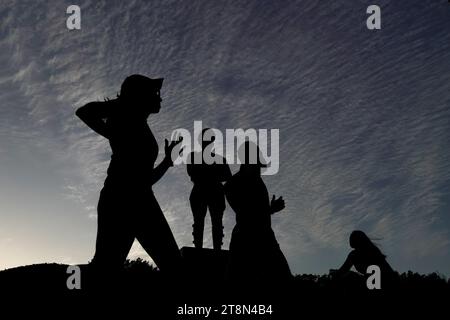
{"points": [[363, 117]]}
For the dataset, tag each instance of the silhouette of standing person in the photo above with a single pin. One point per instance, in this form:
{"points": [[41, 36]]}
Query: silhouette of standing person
{"points": [[364, 254], [254, 251], [207, 193], [127, 208]]}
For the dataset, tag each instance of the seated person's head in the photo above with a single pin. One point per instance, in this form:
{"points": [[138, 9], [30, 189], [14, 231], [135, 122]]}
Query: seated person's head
{"points": [[359, 240]]}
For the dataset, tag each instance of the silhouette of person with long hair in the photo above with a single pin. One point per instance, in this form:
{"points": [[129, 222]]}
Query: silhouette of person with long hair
{"points": [[127, 208], [364, 254], [207, 192], [254, 251]]}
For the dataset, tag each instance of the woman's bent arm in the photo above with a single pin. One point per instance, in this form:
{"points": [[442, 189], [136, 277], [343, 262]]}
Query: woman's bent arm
{"points": [[93, 115]]}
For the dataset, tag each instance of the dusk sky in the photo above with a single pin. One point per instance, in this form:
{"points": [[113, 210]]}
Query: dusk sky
{"points": [[363, 116]]}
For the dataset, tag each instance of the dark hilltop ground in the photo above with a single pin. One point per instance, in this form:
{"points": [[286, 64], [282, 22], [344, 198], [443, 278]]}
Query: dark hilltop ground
{"points": [[141, 287]]}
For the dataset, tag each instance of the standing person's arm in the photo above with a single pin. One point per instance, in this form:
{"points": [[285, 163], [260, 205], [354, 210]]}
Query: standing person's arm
{"points": [[93, 115], [190, 166], [225, 172]]}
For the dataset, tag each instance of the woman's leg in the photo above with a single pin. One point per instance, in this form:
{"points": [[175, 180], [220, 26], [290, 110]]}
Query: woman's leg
{"points": [[216, 204], [114, 232], [199, 209], [154, 234]]}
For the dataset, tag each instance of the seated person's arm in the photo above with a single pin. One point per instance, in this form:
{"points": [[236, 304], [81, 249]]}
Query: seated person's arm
{"points": [[347, 264]]}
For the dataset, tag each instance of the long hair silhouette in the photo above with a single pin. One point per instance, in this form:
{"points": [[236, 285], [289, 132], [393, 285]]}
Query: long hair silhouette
{"points": [[360, 241]]}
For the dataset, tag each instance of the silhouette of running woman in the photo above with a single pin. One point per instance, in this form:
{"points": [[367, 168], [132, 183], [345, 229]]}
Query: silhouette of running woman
{"points": [[208, 192], [364, 254], [254, 251], [127, 208]]}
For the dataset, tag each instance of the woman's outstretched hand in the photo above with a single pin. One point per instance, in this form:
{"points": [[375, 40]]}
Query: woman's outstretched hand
{"points": [[276, 204], [169, 147]]}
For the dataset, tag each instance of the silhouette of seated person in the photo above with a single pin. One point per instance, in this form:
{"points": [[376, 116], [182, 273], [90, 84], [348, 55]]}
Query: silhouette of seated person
{"points": [[364, 254], [127, 208], [207, 192], [254, 251]]}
